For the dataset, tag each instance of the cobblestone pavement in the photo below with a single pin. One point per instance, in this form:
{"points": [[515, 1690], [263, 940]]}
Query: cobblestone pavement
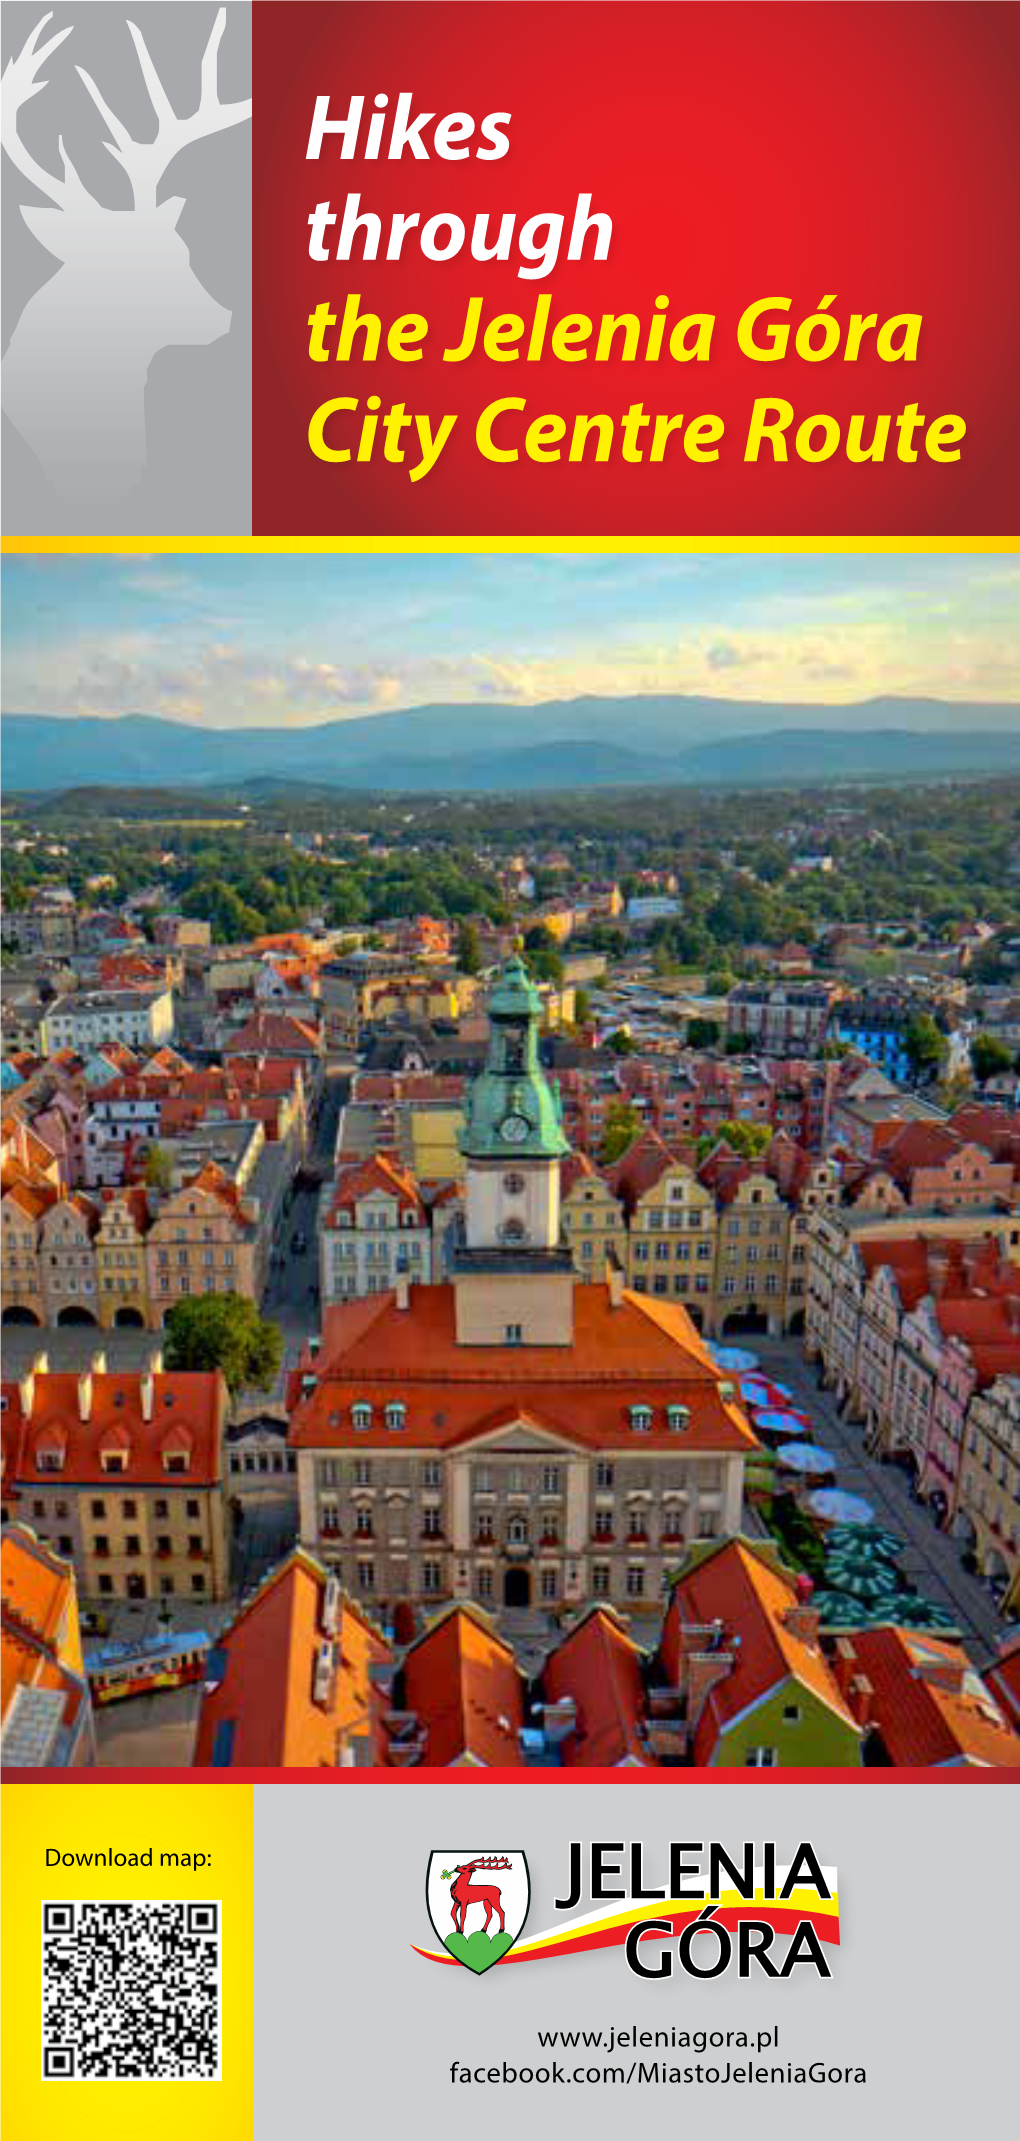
{"points": [[931, 1558]]}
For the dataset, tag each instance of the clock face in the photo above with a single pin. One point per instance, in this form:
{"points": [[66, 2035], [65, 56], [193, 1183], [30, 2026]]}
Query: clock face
{"points": [[514, 1128]]}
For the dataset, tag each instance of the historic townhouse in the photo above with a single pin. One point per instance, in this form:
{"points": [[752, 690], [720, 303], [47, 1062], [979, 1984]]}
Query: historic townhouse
{"points": [[752, 1250], [672, 1245], [374, 1230], [121, 1474], [594, 1226], [122, 1286], [987, 1514], [67, 1260], [201, 1241], [514, 1435], [20, 1213]]}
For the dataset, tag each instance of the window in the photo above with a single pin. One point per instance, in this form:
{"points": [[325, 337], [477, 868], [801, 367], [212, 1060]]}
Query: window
{"points": [[637, 1524], [635, 1583], [517, 1531], [362, 1471], [603, 1473], [762, 1758], [484, 1527], [514, 1334], [97, 1509], [603, 1524], [550, 1531], [366, 1575], [361, 1414], [483, 1480], [431, 1475], [791, 1714], [160, 1508], [549, 1583], [513, 1185], [129, 1509], [641, 1419], [198, 1586], [191, 1509], [600, 1579], [551, 1479], [484, 1583], [431, 1577], [430, 1524], [363, 1523], [105, 1586], [396, 1413], [174, 1461]]}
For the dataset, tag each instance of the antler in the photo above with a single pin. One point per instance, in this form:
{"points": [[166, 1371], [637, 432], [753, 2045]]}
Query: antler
{"points": [[17, 87], [146, 161]]}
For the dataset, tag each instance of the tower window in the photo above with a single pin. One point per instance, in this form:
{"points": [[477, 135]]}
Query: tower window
{"points": [[514, 1334], [513, 1184], [511, 1233]]}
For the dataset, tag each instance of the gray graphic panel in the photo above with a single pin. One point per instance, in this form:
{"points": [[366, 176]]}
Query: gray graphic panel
{"points": [[126, 224]]}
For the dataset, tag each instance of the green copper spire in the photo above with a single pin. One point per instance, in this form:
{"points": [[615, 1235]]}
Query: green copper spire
{"points": [[511, 1108]]}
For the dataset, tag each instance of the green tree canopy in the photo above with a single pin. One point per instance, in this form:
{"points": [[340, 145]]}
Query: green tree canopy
{"points": [[989, 1057], [749, 1139], [224, 1331], [623, 1124], [926, 1046]]}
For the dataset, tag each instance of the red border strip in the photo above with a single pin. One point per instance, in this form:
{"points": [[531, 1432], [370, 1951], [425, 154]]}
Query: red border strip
{"points": [[783, 1918], [762, 1779]]}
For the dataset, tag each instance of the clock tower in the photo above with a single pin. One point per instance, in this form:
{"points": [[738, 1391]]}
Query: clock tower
{"points": [[513, 1275]]}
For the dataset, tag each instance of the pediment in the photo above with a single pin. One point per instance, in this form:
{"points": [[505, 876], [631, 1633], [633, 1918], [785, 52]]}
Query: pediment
{"points": [[522, 1437]]}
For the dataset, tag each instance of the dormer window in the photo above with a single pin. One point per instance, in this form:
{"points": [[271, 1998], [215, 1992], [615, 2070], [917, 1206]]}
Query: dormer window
{"points": [[641, 1419], [113, 1460], [727, 1390], [396, 1415], [175, 1461], [678, 1418], [361, 1415], [50, 1458]]}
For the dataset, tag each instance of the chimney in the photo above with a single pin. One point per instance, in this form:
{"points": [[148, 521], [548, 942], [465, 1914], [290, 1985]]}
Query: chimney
{"points": [[803, 1622], [1012, 1307], [854, 1686], [938, 1268], [941, 1672], [147, 1392], [703, 1671], [403, 1290], [614, 1281], [85, 1395]]}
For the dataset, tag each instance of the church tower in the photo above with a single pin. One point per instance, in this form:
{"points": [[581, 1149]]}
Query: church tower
{"points": [[513, 1276]]}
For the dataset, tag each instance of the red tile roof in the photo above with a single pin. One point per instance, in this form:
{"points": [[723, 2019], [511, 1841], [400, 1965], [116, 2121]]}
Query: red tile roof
{"points": [[195, 1402], [378, 1173], [643, 1352], [744, 1587], [464, 1685], [600, 1667], [1004, 1678], [924, 1724], [267, 1691]]}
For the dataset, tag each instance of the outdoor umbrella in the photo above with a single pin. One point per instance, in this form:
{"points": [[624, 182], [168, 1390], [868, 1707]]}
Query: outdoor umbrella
{"points": [[835, 1611], [736, 1359], [861, 1537], [839, 1568], [924, 1613], [835, 1506], [864, 1585], [805, 1457], [753, 1390], [769, 1422], [779, 1390]]}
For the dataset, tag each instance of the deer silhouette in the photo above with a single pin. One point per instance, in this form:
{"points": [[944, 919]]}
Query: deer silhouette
{"points": [[75, 372], [465, 1892]]}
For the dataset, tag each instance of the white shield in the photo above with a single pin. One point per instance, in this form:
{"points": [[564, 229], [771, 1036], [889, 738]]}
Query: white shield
{"points": [[478, 1902]]}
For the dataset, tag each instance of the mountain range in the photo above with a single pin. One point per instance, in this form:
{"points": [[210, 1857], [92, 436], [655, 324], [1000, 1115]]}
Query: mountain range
{"points": [[496, 747]]}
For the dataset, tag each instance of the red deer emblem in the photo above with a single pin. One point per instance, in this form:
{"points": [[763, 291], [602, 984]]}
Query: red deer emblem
{"points": [[459, 1886]]}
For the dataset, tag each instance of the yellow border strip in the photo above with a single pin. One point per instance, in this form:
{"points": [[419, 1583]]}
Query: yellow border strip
{"points": [[340, 545]]}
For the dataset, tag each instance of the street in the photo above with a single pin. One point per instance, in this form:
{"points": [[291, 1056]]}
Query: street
{"points": [[931, 1558]]}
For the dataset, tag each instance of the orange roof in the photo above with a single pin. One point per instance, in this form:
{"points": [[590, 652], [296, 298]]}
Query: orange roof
{"points": [[39, 1645], [195, 1401], [639, 1168], [741, 1585], [275, 1030], [1004, 1678], [599, 1665], [463, 1683], [645, 1351], [266, 1694], [378, 1173], [924, 1724]]}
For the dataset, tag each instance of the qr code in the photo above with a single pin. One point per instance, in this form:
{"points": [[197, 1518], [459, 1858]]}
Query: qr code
{"points": [[131, 1991]]}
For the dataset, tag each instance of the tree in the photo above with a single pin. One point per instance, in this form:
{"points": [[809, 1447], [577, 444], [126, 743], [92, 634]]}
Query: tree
{"points": [[989, 1057], [582, 1007], [747, 1139], [719, 982], [224, 1331], [623, 1124], [469, 949], [926, 1047], [159, 1171], [702, 1032], [621, 1042]]}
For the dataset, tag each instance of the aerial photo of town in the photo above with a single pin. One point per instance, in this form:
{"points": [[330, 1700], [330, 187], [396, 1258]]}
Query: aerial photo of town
{"points": [[511, 1161]]}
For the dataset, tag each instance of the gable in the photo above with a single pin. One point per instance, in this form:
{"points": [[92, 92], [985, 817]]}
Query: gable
{"points": [[522, 1438]]}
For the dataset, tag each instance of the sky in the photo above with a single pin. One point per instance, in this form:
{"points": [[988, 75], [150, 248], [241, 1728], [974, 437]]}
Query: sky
{"points": [[231, 641]]}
